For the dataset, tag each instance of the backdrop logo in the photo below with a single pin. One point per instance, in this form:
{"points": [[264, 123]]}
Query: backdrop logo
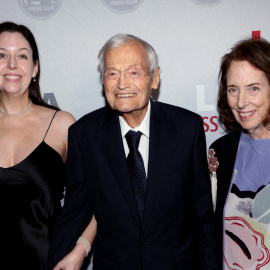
{"points": [[210, 123], [200, 96], [207, 3], [256, 35], [122, 6], [50, 99], [41, 9]]}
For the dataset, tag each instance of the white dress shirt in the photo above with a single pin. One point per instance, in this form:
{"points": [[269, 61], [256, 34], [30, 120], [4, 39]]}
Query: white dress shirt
{"points": [[144, 141]]}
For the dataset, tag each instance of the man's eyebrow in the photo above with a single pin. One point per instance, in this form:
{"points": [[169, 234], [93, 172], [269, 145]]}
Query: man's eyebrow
{"points": [[131, 66]]}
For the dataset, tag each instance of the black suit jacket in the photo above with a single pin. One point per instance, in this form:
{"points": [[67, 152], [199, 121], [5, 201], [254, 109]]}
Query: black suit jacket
{"points": [[177, 231], [225, 151]]}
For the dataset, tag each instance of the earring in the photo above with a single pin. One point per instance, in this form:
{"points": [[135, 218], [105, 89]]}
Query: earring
{"points": [[34, 79]]}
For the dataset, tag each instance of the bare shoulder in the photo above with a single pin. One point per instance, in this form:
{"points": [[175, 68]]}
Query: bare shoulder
{"points": [[61, 121], [64, 119]]}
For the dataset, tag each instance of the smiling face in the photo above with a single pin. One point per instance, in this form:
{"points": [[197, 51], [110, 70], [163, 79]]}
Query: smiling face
{"points": [[248, 97], [16, 64], [127, 82]]}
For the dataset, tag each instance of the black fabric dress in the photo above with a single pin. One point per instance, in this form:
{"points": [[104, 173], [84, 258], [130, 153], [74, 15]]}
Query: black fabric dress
{"points": [[30, 199]]}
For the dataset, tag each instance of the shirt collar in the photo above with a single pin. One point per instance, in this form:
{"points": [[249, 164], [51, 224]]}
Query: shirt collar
{"points": [[143, 127]]}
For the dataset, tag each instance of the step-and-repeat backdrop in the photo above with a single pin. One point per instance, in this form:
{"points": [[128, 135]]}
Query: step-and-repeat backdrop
{"points": [[190, 37]]}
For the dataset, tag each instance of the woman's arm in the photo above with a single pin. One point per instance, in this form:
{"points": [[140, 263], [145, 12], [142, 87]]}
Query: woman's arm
{"points": [[74, 259]]}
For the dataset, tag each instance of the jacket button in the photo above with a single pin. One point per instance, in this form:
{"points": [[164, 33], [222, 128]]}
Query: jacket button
{"points": [[143, 242]]}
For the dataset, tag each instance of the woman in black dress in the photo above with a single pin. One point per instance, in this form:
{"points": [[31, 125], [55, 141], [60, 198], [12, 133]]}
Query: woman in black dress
{"points": [[33, 144]]}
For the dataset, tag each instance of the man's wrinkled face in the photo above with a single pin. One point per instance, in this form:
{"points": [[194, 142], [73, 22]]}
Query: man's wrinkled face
{"points": [[127, 81]]}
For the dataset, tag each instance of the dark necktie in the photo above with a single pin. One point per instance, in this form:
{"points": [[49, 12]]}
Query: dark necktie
{"points": [[136, 169]]}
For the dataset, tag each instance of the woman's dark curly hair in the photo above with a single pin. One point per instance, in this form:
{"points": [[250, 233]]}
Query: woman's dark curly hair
{"points": [[257, 53], [34, 88]]}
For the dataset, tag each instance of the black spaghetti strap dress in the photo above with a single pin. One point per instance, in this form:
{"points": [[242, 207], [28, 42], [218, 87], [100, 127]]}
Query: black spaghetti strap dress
{"points": [[30, 199]]}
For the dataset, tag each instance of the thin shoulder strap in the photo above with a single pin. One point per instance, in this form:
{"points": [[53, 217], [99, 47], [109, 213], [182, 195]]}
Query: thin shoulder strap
{"points": [[49, 125]]}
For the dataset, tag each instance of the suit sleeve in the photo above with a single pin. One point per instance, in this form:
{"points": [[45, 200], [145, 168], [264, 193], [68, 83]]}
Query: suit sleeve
{"points": [[76, 213], [204, 227]]}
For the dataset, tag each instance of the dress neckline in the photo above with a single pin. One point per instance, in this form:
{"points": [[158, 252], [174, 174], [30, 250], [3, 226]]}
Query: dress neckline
{"points": [[23, 160], [260, 146], [42, 142]]}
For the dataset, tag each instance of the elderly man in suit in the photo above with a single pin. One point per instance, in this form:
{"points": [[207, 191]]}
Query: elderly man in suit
{"points": [[139, 166]]}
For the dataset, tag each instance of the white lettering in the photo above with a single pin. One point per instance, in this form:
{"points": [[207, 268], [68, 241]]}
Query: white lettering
{"points": [[48, 8], [25, 3], [201, 106], [34, 8], [117, 3], [130, 2]]}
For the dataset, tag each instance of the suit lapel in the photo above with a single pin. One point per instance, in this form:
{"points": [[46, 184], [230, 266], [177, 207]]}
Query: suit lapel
{"points": [[110, 141], [160, 145]]}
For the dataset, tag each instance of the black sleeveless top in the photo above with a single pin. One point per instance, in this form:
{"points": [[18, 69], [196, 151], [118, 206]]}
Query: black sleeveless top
{"points": [[30, 199]]}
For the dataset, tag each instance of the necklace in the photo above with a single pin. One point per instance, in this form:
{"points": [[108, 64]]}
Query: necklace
{"points": [[17, 114]]}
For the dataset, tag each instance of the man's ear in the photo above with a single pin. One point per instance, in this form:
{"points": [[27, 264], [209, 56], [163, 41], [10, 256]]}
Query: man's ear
{"points": [[156, 79]]}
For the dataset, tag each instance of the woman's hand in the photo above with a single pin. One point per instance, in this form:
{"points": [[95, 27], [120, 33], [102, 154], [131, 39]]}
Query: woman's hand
{"points": [[73, 260]]}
